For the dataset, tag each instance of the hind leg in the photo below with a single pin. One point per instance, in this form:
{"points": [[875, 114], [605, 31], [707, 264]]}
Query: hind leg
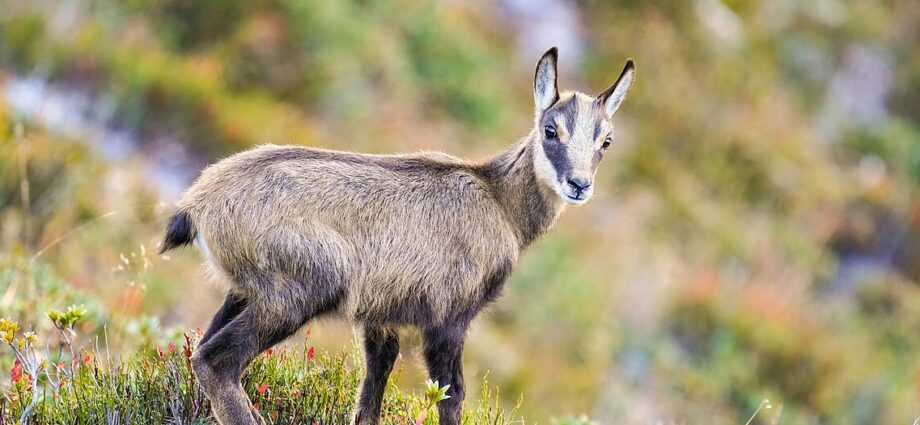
{"points": [[220, 361], [233, 305], [282, 307]]}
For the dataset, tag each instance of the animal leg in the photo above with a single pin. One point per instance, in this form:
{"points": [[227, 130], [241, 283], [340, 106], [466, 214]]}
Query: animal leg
{"points": [[443, 356], [381, 346], [220, 361], [232, 307]]}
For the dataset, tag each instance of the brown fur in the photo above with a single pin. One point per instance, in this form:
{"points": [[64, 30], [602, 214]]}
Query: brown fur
{"points": [[395, 228], [385, 241]]}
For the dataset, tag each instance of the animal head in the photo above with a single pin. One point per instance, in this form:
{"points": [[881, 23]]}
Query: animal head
{"points": [[573, 130]]}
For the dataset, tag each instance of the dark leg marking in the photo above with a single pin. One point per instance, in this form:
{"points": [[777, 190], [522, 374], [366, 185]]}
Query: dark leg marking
{"points": [[220, 361], [381, 346], [443, 356], [231, 308]]}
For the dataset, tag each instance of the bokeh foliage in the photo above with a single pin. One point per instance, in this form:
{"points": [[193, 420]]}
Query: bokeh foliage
{"points": [[755, 233]]}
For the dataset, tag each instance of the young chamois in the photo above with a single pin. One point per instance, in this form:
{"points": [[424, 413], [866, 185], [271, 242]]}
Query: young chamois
{"points": [[384, 241]]}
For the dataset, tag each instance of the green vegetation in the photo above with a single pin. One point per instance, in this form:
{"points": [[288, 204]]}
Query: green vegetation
{"points": [[156, 386]]}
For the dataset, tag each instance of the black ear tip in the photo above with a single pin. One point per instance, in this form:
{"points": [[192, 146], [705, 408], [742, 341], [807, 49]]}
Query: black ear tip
{"points": [[630, 64], [553, 52]]}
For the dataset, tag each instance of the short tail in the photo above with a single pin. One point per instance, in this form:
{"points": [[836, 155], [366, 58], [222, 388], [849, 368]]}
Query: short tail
{"points": [[179, 232]]}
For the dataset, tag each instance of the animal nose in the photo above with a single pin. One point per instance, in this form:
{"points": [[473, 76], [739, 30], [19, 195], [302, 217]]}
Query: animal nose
{"points": [[579, 184]]}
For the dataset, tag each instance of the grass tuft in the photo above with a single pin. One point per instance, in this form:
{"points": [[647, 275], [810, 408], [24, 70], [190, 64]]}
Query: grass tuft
{"points": [[288, 385]]}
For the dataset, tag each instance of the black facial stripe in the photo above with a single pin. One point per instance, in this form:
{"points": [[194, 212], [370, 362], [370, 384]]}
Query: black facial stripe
{"points": [[558, 157], [597, 130], [569, 110]]}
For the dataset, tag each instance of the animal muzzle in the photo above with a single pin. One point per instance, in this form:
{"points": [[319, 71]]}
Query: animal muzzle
{"points": [[578, 188]]}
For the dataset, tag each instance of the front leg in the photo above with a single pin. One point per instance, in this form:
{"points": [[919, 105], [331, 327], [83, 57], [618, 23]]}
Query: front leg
{"points": [[443, 355], [381, 346]]}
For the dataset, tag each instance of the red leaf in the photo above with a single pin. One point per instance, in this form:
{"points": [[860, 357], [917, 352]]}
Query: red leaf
{"points": [[262, 389], [16, 372], [172, 347], [311, 353]]}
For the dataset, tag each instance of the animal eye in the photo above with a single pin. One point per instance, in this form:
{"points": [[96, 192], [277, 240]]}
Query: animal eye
{"points": [[550, 132], [606, 143]]}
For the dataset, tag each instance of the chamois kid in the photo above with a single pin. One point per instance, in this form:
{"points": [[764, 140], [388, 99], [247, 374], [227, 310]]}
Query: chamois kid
{"points": [[384, 241]]}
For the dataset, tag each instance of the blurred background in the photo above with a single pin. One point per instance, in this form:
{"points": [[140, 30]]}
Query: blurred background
{"points": [[755, 233]]}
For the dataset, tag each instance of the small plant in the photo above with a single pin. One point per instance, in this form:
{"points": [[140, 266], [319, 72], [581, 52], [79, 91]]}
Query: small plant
{"points": [[434, 393], [68, 319], [31, 362], [65, 322], [28, 364]]}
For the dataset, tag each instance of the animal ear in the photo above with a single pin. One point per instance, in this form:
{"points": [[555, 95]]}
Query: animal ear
{"points": [[613, 96], [545, 90]]}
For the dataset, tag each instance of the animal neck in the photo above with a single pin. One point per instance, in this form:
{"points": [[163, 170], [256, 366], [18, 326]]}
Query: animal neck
{"points": [[530, 207]]}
